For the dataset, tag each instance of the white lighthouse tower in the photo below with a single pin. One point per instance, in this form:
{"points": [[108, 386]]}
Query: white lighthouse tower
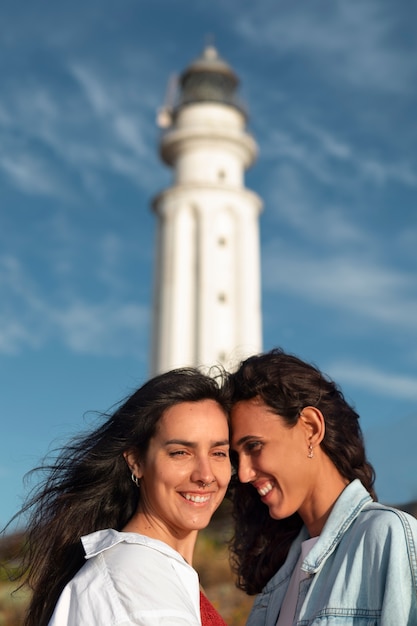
{"points": [[207, 307]]}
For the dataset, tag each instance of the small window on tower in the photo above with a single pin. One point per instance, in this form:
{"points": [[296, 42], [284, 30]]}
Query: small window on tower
{"points": [[222, 357], [221, 174], [221, 241], [221, 297]]}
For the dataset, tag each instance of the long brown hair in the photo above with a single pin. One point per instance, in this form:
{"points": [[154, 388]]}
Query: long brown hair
{"points": [[87, 485]]}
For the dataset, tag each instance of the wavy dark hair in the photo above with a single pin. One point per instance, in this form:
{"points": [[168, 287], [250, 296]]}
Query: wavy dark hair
{"points": [[87, 485], [287, 384]]}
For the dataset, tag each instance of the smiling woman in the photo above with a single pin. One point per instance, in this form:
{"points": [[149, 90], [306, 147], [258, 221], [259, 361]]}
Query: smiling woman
{"points": [[183, 476], [307, 524], [113, 526]]}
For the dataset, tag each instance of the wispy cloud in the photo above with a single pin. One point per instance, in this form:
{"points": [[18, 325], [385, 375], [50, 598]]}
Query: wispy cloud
{"points": [[104, 329], [108, 326], [31, 174], [349, 284], [111, 329], [292, 201], [331, 148], [355, 41], [14, 336], [128, 131], [18, 305], [80, 129], [331, 159], [370, 378]]}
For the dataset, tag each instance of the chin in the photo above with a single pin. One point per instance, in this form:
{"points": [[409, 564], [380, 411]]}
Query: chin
{"points": [[199, 523], [279, 514]]}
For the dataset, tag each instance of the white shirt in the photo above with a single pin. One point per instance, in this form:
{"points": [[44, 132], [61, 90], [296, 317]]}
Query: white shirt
{"points": [[129, 579], [289, 605]]}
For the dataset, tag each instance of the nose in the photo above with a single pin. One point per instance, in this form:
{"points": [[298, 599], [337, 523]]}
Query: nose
{"points": [[245, 471], [203, 472]]}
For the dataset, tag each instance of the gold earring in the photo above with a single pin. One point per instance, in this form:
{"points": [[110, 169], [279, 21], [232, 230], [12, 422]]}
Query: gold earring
{"points": [[310, 454]]}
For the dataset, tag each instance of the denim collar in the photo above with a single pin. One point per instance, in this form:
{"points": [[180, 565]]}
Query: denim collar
{"points": [[346, 509]]}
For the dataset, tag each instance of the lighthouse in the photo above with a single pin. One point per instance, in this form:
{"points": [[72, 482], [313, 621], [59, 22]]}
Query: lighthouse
{"points": [[207, 302]]}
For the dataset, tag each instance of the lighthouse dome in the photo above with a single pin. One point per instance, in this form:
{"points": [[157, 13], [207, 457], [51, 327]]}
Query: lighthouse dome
{"points": [[209, 79]]}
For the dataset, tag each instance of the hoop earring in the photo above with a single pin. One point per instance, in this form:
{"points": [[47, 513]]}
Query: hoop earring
{"points": [[310, 454], [136, 480]]}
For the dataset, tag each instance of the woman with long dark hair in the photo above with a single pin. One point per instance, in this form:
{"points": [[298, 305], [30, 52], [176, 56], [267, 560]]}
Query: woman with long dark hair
{"points": [[113, 525], [310, 537]]}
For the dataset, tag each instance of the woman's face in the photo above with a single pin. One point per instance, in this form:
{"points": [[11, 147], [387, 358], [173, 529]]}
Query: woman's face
{"points": [[186, 471], [273, 457]]}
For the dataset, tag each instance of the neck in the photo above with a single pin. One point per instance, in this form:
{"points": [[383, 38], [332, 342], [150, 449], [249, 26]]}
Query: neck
{"points": [[182, 541], [328, 487]]}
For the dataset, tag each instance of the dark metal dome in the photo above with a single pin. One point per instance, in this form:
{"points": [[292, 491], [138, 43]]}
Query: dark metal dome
{"points": [[209, 79]]}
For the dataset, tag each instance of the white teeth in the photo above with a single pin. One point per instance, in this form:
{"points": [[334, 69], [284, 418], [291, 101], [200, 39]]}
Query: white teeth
{"points": [[264, 490], [194, 498]]}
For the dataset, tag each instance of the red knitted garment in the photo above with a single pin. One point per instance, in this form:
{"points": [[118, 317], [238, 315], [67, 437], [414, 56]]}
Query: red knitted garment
{"points": [[209, 615]]}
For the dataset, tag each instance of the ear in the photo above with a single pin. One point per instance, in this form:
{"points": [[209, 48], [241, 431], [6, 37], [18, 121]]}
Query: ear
{"points": [[133, 463], [314, 424]]}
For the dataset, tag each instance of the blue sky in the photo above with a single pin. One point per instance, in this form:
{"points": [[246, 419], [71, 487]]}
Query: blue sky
{"points": [[331, 92]]}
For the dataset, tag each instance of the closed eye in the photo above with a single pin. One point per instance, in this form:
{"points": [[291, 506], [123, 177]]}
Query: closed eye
{"points": [[178, 453], [252, 447], [224, 454]]}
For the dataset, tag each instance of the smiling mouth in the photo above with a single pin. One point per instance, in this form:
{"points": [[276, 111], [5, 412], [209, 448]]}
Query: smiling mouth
{"points": [[192, 497], [263, 491]]}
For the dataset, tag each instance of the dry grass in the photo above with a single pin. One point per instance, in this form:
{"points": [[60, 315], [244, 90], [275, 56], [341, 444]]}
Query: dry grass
{"points": [[12, 604], [212, 563]]}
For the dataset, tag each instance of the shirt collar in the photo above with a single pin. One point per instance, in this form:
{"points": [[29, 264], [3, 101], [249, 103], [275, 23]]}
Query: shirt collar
{"points": [[102, 540]]}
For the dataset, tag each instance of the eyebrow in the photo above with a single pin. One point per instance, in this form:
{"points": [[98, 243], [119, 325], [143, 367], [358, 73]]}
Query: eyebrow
{"points": [[192, 444], [245, 439]]}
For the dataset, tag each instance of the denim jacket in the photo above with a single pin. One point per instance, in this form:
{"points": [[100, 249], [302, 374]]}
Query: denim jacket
{"points": [[362, 571]]}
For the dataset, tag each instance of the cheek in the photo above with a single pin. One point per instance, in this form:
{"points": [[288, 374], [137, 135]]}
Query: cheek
{"points": [[161, 474], [227, 475], [223, 474]]}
